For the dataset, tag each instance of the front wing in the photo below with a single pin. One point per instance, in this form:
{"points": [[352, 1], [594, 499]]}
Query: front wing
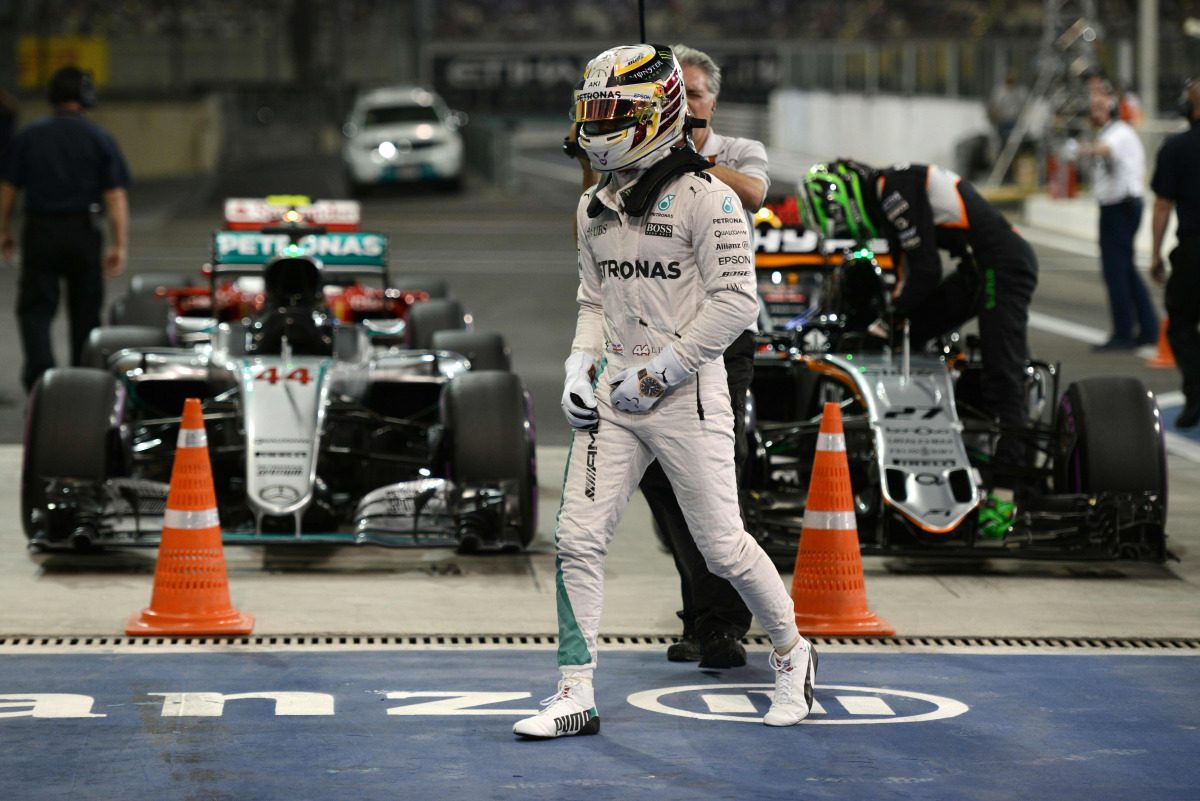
{"points": [[1043, 525]]}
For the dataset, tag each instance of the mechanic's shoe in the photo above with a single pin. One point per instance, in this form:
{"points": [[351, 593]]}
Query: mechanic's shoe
{"points": [[685, 649], [795, 676], [1189, 416], [1116, 344], [1147, 339], [571, 710], [722, 650]]}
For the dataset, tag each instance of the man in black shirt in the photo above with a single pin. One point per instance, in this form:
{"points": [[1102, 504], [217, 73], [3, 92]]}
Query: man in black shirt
{"points": [[921, 209], [70, 170], [1176, 183]]}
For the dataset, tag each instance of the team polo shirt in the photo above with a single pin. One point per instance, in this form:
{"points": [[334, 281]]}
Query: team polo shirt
{"points": [[1121, 174], [1177, 178], [64, 164]]}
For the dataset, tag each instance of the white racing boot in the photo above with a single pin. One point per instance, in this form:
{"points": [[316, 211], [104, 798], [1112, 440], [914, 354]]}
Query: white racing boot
{"points": [[795, 676], [571, 710]]}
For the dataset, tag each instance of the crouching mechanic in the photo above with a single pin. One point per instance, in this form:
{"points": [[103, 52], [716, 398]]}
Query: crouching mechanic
{"points": [[645, 379], [920, 208]]}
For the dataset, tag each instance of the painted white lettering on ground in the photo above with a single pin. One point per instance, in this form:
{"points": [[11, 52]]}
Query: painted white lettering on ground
{"points": [[457, 704], [191, 705], [46, 705], [862, 705]]}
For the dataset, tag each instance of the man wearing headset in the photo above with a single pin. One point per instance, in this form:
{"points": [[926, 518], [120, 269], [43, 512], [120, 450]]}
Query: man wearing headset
{"points": [[71, 171], [659, 302], [1176, 184], [1118, 175]]}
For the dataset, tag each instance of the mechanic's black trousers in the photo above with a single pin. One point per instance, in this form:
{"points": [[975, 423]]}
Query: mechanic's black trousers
{"points": [[57, 248], [999, 295], [1183, 313]]}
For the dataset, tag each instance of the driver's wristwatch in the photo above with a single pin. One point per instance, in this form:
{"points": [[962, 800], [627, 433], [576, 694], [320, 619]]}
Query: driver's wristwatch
{"points": [[648, 385]]}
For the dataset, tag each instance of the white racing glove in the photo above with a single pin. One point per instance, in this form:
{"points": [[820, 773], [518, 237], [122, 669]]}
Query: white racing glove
{"points": [[578, 401], [637, 389]]}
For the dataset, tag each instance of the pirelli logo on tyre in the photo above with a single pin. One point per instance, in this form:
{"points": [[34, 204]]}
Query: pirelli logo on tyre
{"points": [[660, 229]]}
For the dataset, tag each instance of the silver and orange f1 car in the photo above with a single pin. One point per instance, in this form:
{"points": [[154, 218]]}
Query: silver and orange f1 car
{"points": [[341, 406]]}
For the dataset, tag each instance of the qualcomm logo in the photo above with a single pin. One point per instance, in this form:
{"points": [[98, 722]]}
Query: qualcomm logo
{"points": [[834, 704], [665, 203]]}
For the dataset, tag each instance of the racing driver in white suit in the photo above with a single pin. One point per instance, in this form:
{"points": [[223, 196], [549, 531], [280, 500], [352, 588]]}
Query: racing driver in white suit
{"points": [[660, 300]]}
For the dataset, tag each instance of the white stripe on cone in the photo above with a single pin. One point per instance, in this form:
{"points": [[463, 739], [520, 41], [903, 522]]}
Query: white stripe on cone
{"points": [[829, 521], [190, 521], [831, 442], [196, 438]]}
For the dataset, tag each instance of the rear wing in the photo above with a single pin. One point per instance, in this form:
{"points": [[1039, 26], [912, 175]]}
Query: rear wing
{"points": [[358, 251], [781, 241], [252, 214]]}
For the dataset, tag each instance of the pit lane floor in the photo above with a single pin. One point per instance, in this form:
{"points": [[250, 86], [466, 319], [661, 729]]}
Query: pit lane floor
{"points": [[513, 274], [359, 722]]}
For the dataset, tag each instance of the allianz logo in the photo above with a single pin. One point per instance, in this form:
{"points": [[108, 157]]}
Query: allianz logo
{"points": [[739, 703]]}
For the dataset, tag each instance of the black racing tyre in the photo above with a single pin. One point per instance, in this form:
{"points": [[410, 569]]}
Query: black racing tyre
{"points": [[486, 351], [103, 342], [436, 288], [72, 431], [489, 428], [1118, 438], [140, 306], [424, 319]]}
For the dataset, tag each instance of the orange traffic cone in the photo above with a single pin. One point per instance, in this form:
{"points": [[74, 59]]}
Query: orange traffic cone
{"points": [[1164, 358], [828, 590], [191, 590]]}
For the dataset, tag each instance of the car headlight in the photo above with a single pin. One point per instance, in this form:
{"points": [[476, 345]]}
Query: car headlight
{"points": [[387, 149]]}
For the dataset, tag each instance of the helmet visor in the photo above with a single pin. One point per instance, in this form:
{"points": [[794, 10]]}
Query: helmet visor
{"points": [[607, 115]]}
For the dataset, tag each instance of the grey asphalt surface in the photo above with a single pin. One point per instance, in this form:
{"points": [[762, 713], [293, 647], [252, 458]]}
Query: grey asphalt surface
{"points": [[510, 258]]}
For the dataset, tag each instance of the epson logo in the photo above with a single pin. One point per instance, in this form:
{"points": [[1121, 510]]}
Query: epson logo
{"points": [[738, 259], [639, 269], [660, 229]]}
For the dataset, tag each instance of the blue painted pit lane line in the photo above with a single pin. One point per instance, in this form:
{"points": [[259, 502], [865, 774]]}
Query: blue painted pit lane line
{"points": [[404, 724]]}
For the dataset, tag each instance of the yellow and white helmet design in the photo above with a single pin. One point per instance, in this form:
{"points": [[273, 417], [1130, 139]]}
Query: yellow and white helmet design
{"points": [[631, 104]]}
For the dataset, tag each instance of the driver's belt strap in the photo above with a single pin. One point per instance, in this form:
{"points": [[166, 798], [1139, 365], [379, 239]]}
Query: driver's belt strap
{"points": [[637, 198]]}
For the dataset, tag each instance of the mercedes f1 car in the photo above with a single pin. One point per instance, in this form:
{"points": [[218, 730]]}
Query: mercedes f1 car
{"points": [[919, 444], [339, 408]]}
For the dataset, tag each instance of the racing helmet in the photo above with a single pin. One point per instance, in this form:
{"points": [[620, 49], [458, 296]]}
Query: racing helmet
{"points": [[857, 290], [833, 201], [631, 104], [293, 280], [294, 307]]}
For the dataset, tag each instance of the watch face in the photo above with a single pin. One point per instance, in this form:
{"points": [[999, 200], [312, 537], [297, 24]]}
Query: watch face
{"points": [[648, 385]]}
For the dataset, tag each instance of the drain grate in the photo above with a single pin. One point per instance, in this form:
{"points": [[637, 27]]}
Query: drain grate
{"points": [[306, 641]]}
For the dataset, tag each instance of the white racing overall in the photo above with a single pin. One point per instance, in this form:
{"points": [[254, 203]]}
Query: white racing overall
{"points": [[681, 275]]}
